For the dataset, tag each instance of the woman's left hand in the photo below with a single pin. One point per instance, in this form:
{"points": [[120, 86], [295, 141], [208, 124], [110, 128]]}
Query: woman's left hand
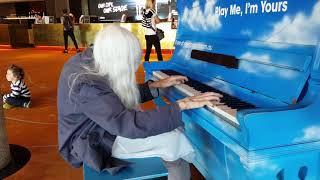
{"points": [[169, 81]]}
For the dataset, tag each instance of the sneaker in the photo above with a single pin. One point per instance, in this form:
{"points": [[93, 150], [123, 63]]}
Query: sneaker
{"points": [[27, 104], [65, 51], [7, 106]]}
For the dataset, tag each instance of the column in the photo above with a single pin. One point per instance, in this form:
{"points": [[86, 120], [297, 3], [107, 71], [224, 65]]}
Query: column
{"points": [[5, 156]]}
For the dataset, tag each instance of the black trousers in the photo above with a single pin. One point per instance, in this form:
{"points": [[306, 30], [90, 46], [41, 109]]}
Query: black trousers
{"points": [[152, 40], [17, 101], [65, 36]]}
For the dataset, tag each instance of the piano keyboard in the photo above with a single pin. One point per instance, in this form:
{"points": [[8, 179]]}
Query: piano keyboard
{"points": [[227, 107]]}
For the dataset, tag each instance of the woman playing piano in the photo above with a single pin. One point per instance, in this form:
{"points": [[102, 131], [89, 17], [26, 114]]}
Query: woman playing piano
{"points": [[98, 107]]}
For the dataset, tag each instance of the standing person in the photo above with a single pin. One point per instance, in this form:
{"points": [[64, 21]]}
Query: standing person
{"points": [[149, 21], [20, 94], [68, 26], [38, 19], [99, 117], [124, 17]]}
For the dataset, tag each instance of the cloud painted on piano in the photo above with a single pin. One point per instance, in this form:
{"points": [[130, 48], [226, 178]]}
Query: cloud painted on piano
{"points": [[261, 65], [246, 32], [262, 58], [308, 134], [256, 163], [185, 53], [199, 19], [188, 46], [299, 29], [218, 83], [263, 168]]}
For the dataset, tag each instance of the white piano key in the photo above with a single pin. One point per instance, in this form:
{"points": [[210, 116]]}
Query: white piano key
{"points": [[220, 109], [217, 103], [223, 114], [159, 74], [187, 90]]}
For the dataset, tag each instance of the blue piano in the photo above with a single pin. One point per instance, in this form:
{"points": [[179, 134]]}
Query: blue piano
{"points": [[264, 58]]}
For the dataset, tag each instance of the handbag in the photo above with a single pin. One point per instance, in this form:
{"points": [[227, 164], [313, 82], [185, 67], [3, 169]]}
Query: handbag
{"points": [[160, 33]]}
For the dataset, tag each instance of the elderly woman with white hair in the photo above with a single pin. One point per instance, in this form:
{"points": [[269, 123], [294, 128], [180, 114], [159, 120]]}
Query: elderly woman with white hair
{"points": [[100, 121]]}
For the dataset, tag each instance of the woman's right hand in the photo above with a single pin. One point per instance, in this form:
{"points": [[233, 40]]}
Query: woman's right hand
{"points": [[198, 101]]}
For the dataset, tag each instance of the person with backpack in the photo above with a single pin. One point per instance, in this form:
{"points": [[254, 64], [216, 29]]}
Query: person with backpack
{"points": [[68, 26]]}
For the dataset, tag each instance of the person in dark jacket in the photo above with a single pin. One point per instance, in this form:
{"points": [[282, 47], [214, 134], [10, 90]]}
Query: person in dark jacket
{"points": [[98, 100], [67, 20]]}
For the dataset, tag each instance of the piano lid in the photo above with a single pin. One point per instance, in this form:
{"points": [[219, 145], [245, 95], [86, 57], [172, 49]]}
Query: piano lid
{"points": [[273, 43]]}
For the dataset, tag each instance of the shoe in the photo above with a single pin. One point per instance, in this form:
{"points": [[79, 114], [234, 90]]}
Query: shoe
{"points": [[7, 106], [27, 104], [78, 50], [65, 51]]}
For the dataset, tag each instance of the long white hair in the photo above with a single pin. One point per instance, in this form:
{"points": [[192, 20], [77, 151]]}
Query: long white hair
{"points": [[117, 55]]}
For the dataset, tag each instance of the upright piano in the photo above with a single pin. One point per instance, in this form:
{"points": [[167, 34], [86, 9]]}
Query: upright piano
{"points": [[263, 56]]}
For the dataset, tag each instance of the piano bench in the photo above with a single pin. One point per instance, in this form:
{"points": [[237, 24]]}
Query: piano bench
{"points": [[142, 168]]}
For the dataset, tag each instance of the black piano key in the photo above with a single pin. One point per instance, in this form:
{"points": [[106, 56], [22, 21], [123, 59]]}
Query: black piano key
{"points": [[230, 101]]}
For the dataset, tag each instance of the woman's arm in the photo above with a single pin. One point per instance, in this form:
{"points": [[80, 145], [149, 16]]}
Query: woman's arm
{"points": [[156, 19], [106, 109], [149, 90], [147, 93], [15, 92], [169, 81]]}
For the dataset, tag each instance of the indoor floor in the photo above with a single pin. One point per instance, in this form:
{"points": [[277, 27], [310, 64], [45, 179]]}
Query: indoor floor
{"points": [[36, 128]]}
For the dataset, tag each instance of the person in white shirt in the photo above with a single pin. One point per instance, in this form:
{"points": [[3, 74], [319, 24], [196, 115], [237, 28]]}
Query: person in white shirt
{"points": [[149, 21], [38, 19], [124, 18]]}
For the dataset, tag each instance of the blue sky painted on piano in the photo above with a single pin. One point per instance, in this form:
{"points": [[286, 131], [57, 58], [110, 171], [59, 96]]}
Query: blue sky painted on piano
{"points": [[298, 23]]}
